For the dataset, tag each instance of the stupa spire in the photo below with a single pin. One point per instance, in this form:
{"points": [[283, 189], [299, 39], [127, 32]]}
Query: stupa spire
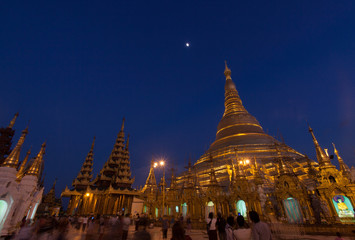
{"points": [[122, 126], [85, 175], [151, 182], [342, 166], [12, 123], [13, 159], [227, 71], [322, 157], [116, 170], [36, 166], [236, 122], [21, 171]]}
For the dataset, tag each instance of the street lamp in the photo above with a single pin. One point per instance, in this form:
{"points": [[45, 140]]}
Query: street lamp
{"points": [[161, 163]]}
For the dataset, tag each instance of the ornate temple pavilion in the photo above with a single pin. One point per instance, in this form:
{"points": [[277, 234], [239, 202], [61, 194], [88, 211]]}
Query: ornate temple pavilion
{"points": [[111, 191], [246, 169]]}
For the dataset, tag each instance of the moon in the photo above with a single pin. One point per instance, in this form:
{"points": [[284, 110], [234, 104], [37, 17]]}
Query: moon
{"points": [[187, 44]]}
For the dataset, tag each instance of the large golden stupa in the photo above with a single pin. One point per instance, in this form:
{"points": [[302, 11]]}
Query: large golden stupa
{"points": [[246, 169], [239, 134]]}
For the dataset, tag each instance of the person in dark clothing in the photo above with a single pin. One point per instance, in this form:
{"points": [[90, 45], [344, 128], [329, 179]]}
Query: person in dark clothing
{"points": [[165, 226], [221, 227], [178, 232], [137, 221]]}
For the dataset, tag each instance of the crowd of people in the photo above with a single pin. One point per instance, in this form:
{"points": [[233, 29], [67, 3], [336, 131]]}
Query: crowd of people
{"points": [[117, 227], [237, 229]]}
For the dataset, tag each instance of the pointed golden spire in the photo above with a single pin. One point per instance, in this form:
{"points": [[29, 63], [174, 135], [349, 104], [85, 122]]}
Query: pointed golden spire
{"points": [[12, 123], [342, 166], [322, 157], [36, 166], [122, 126], [21, 171], [85, 175], [227, 71], [151, 182], [13, 159]]}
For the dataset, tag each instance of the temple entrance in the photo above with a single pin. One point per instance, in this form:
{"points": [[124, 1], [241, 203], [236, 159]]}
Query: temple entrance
{"points": [[343, 206], [3, 209], [241, 208], [184, 210], [292, 210], [209, 208]]}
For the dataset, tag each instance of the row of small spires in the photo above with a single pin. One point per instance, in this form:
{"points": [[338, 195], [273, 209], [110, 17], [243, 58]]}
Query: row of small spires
{"points": [[13, 159]]}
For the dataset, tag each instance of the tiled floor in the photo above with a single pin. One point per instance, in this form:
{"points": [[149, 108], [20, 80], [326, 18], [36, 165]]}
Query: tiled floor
{"points": [[156, 234]]}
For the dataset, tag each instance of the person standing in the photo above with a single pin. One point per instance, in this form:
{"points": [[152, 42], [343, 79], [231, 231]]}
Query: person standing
{"points": [[188, 224], [126, 221], [136, 221], [211, 227], [230, 231], [85, 222], [165, 226], [221, 226], [261, 230], [242, 233]]}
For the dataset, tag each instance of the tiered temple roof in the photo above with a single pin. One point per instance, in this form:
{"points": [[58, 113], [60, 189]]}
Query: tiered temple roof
{"points": [[85, 175], [116, 171]]}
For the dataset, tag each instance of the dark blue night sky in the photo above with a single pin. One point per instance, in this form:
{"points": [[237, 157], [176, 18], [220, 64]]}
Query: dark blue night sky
{"points": [[74, 69]]}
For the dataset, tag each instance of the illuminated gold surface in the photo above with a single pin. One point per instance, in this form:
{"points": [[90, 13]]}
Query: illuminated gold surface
{"points": [[13, 159], [35, 168]]}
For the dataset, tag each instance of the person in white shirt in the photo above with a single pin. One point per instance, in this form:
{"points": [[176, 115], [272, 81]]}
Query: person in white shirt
{"points": [[85, 222], [211, 227]]}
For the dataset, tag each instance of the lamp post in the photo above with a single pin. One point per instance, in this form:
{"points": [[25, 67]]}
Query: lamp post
{"points": [[161, 163]]}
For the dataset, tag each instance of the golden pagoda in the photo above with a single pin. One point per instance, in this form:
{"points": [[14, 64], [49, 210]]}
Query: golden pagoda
{"points": [[111, 191], [246, 169]]}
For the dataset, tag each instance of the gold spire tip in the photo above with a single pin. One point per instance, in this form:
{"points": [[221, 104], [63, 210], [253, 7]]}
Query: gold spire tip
{"points": [[227, 71]]}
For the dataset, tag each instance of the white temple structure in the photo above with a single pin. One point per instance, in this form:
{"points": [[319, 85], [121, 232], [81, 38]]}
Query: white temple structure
{"points": [[21, 187]]}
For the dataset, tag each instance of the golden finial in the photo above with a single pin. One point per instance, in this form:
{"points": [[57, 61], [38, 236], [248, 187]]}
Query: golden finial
{"points": [[122, 126], [343, 167], [36, 165], [13, 159], [227, 71], [93, 144], [21, 171], [12, 123]]}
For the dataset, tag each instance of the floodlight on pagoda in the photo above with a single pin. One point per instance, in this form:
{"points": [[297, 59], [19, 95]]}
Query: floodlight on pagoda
{"points": [[87, 194], [162, 163]]}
